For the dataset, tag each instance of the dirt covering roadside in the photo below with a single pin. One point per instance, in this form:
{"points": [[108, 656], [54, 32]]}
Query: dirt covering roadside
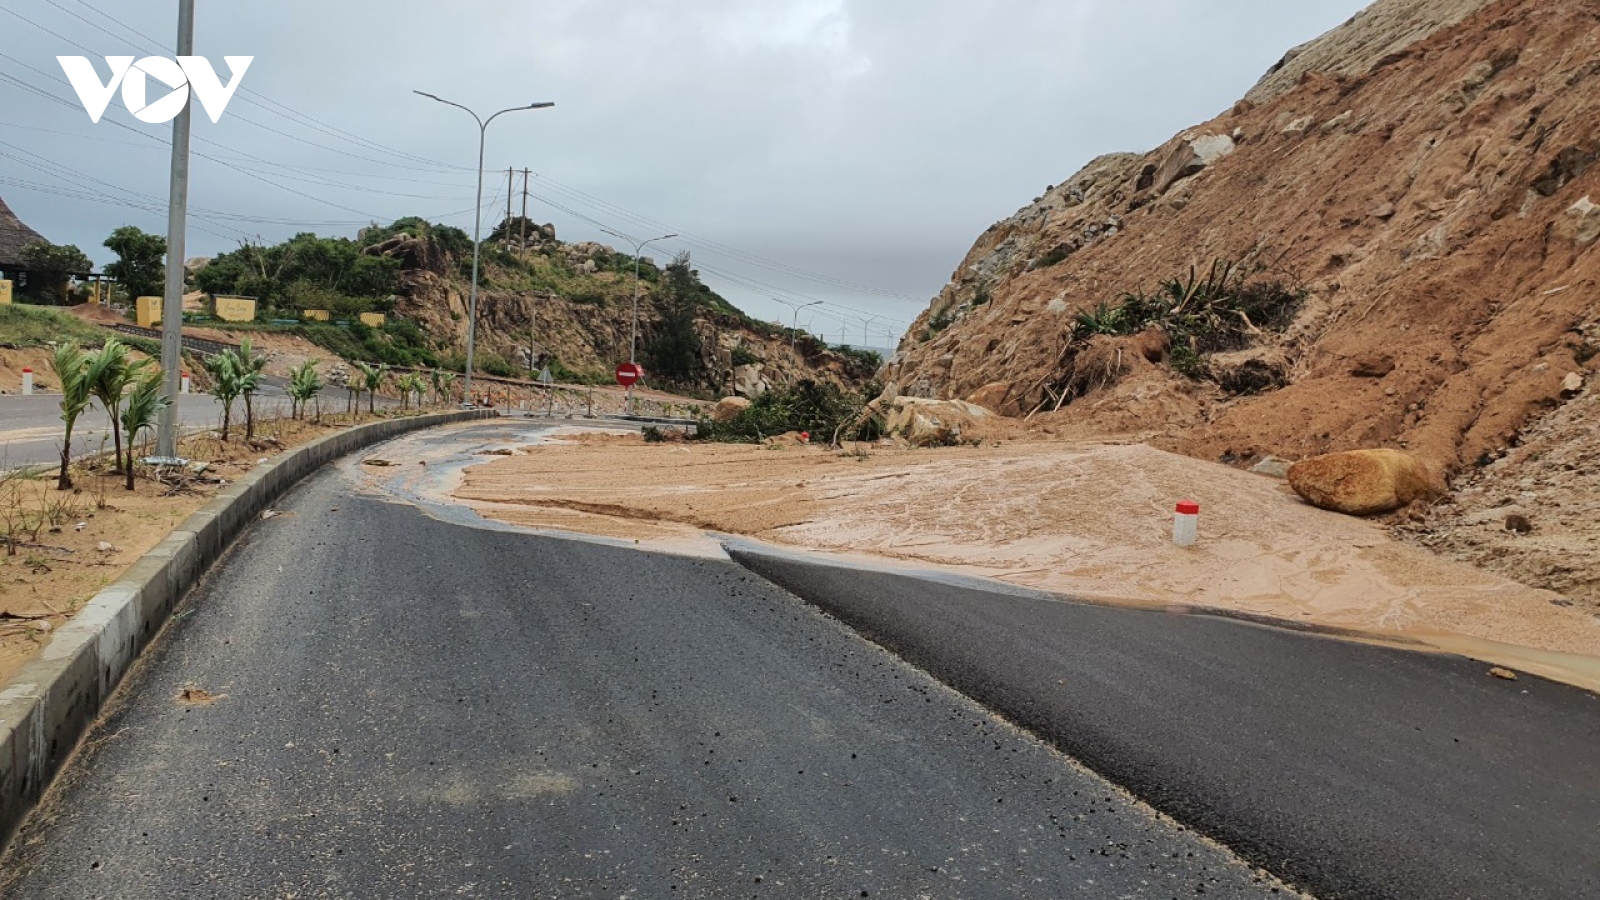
{"points": [[71, 544], [1090, 520]]}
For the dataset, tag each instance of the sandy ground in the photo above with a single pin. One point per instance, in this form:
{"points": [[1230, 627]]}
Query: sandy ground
{"points": [[1090, 520], [46, 581], [12, 362]]}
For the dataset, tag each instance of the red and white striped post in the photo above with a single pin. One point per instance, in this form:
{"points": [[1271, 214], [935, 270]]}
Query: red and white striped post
{"points": [[27, 382], [186, 383]]}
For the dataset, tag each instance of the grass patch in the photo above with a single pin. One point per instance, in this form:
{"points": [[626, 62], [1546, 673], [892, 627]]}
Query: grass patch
{"points": [[39, 326]]}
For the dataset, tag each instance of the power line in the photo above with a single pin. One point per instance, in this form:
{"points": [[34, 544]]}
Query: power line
{"points": [[217, 160], [282, 110], [714, 246]]}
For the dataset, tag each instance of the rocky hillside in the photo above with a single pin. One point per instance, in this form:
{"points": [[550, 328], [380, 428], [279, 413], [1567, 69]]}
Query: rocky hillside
{"points": [[1388, 243], [575, 301]]}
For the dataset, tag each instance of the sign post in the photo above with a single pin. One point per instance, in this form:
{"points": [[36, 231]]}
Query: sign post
{"points": [[629, 374]]}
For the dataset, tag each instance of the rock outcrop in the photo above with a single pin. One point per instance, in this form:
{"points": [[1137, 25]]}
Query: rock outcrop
{"points": [[1422, 180], [583, 321]]}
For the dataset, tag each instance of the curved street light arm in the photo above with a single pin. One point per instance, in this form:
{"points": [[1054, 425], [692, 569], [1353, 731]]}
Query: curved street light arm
{"points": [[477, 222]]}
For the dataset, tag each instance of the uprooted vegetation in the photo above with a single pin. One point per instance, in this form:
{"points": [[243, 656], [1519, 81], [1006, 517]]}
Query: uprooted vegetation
{"points": [[1184, 322], [819, 409]]}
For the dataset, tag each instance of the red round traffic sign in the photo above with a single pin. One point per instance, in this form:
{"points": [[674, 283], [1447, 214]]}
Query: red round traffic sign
{"points": [[628, 373]]}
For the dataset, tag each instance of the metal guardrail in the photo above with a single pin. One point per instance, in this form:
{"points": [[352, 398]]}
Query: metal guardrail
{"points": [[202, 346]]}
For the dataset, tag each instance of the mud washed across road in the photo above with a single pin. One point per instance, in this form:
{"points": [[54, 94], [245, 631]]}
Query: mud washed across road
{"points": [[1089, 521]]}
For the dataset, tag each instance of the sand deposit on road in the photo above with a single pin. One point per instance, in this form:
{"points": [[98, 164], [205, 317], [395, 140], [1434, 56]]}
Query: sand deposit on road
{"points": [[1089, 520]]}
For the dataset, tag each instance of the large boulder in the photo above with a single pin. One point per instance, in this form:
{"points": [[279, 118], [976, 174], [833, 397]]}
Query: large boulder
{"points": [[1363, 482], [997, 396], [1189, 156], [932, 423], [728, 409], [749, 381]]}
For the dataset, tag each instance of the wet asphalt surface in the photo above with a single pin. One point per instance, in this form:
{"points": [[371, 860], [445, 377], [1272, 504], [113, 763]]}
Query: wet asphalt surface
{"points": [[402, 707], [1354, 771]]}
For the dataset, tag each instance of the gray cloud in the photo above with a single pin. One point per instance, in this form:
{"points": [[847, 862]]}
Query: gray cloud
{"points": [[865, 141]]}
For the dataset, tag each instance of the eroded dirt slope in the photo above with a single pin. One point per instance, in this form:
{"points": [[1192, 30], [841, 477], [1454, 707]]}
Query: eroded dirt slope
{"points": [[1435, 205]]}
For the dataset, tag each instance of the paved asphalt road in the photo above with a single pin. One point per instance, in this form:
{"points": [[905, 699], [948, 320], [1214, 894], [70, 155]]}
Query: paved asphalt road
{"points": [[30, 427], [411, 708], [1353, 771]]}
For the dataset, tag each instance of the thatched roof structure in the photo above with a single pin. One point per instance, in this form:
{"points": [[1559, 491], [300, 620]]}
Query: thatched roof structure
{"points": [[13, 236]]}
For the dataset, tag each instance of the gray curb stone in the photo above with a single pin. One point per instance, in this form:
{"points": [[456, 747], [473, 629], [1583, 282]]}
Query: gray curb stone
{"points": [[49, 704]]}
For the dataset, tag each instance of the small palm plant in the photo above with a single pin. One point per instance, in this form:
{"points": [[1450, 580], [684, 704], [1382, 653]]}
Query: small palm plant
{"points": [[304, 384], [252, 369], [227, 383], [444, 385], [411, 387], [72, 367], [117, 373], [372, 379], [145, 402]]}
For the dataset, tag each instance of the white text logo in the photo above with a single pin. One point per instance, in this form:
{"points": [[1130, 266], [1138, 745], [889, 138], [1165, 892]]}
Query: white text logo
{"points": [[185, 75]]}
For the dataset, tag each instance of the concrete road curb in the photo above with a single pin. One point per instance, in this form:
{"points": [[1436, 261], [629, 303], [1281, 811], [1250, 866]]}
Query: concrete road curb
{"points": [[49, 704]]}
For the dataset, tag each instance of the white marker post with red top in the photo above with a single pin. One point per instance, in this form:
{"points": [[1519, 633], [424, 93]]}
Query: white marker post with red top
{"points": [[1186, 524]]}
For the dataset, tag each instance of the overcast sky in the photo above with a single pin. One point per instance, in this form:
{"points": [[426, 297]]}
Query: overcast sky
{"points": [[843, 150]]}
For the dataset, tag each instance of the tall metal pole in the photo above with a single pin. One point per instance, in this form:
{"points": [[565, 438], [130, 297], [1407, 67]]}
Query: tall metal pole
{"points": [[477, 243], [524, 215], [638, 251], [477, 224], [177, 215], [795, 331]]}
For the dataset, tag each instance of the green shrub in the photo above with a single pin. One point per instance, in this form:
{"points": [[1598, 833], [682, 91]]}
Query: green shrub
{"points": [[492, 363], [1222, 310], [743, 357], [938, 323], [816, 407]]}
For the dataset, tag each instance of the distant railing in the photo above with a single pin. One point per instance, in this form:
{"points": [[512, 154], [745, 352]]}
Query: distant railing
{"points": [[202, 346]]}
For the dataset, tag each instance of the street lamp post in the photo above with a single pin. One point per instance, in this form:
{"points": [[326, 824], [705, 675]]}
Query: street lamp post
{"points": [[795, 330], [477, 223], [633, 343]]}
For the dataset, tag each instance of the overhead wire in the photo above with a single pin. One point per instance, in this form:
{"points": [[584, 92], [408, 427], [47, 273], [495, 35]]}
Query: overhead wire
{"points": [[270, 105], [705, 244], [843, 312]]}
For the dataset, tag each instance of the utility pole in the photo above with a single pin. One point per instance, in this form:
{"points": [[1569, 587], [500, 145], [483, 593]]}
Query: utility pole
{"points": [[509, 172], [525, 216], [177, 214]]}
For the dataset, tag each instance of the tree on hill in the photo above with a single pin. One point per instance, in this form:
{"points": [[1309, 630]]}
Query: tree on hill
{"points": [[141, 258], [333, 272], [50, 269], [674, 350]]}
